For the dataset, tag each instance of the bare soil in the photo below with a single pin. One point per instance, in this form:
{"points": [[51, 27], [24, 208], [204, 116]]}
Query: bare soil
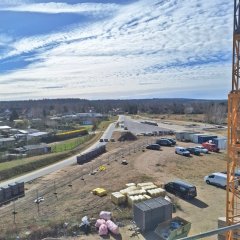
{"points": [[67, 193]]}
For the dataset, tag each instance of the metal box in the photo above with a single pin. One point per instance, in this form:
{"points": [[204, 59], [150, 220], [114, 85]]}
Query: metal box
{"points": [[173, 229], [7, 193], [21, 190], [148, 214], [202, 139], [1, 196], [14, 189]]}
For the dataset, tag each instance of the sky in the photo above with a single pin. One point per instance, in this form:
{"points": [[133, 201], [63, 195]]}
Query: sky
{"points": [[115, 49]]}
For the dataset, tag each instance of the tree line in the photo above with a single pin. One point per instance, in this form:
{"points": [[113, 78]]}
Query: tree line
{"points": [[215, 110]]}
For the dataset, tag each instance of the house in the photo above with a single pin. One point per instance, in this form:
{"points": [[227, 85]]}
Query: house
{"points": [[33, 150], [6, 143], [37, 123], [36, 137], [4, 128]]}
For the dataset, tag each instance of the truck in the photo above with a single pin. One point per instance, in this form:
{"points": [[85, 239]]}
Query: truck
{"points": [[210, 147]]}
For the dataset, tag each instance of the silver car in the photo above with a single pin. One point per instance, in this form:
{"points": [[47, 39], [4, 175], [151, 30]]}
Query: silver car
{"points": [[201, 149]]}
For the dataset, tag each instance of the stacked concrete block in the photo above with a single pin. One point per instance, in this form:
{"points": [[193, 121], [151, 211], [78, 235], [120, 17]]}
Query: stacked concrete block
{"points": [[118, 198], [157, 192], [136, 192], [130, 185], [140, 185]]}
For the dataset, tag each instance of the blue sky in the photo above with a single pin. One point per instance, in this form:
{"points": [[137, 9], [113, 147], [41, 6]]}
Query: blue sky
{"points": [[115, 49]]}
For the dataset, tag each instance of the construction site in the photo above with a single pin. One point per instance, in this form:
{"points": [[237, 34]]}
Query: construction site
{"points": [[160, 179]]}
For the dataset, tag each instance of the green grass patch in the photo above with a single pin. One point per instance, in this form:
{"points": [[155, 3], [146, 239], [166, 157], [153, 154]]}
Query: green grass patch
{"points": [[103, 125], [69, 144]]}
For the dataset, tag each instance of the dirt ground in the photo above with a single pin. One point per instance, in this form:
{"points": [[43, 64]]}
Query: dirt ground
{"points": [[67, 193]]}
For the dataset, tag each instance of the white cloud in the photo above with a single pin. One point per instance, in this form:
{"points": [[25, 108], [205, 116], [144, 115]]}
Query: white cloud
{"points": [[186, 40], [12, 3], [56, 7]]}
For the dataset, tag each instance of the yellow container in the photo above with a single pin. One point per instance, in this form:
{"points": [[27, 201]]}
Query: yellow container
{"points": [[99, 192]]}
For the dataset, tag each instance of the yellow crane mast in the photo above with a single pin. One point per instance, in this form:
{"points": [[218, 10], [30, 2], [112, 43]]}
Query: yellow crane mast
{"points": [[233, 194]]}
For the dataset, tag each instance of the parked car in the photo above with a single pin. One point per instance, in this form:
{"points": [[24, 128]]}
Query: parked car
{"points": [[101, 140], [164, 142], [218, 179], [172, 141], [153, 147], [181, 189], [105, 139], [194, 151], [210, 147], [201, 149], [182, 151]]}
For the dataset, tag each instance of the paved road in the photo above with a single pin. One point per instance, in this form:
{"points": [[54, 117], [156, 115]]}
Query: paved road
{"points": [[137, 127], [57, 166]]}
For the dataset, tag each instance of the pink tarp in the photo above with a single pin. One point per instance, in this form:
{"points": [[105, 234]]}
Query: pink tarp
{"points": [[103, 230], [112, 227]]}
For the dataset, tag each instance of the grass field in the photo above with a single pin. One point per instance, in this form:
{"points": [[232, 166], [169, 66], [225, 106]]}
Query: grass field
{"points": [[69, 144]]}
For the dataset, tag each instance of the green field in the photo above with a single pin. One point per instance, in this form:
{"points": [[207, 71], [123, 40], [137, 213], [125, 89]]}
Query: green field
{"points": [[69, 144]]}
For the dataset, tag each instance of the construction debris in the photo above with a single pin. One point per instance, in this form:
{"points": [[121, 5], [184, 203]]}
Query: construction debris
{"points": [[173, 229], [127, 136]]}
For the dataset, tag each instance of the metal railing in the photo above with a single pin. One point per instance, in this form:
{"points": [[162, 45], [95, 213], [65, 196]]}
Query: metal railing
{"points": [[213, 232]]}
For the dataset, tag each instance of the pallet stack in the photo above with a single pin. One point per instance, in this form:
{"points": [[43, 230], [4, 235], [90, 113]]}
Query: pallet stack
{"points": [[134, 193]]}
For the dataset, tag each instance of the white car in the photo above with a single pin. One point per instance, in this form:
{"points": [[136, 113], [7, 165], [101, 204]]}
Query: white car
{"points": [[219, 179], [182, 151], [201, 149]]}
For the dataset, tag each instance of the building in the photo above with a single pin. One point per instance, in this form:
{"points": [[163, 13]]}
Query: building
{"points": [[36, 137], [6, 143], [33, 150]]}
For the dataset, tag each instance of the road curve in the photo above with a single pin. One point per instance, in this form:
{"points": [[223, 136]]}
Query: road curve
{"points": [[60, 165]]}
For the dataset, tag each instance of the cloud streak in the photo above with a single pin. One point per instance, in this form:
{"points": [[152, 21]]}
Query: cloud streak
{"points": [[181, 45], [56, 7]]}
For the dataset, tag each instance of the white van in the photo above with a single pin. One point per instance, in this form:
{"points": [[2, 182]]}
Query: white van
{"points": [[218, 179]]}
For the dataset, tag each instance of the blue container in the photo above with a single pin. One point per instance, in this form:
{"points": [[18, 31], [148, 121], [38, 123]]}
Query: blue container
{"points": [[202, 139]]}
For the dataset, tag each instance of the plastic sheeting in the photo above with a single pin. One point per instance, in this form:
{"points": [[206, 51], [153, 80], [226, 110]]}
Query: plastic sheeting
{"points": [[112, 227], [105, 215], [103, 230], [99, 222]]}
